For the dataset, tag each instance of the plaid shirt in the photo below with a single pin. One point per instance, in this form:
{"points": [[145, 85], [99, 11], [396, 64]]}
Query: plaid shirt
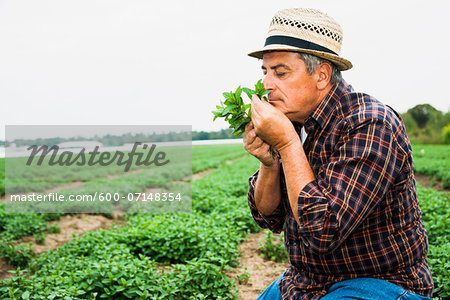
{"points": [[361, 216]]}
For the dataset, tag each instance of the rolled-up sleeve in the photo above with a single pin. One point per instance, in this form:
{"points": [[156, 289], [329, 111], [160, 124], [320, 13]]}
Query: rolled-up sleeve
{"points": [[275, 221], [357, 176]]}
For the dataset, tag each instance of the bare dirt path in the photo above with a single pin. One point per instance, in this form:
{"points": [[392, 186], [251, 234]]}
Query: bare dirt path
{"points": [[428, 182], [4, 268], [70, 225], [262, 272]]}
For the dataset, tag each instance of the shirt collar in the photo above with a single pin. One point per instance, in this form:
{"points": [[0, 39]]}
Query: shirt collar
{"points": [[324, 111]]}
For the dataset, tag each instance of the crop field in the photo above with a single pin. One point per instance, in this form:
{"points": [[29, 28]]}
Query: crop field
{"points": [[177, 255]]}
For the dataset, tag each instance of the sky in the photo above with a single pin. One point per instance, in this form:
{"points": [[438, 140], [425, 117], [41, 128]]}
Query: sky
{"points": [[136, 62]]}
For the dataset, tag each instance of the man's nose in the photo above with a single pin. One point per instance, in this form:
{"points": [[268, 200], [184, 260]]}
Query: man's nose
{"points": [[268, 83]]}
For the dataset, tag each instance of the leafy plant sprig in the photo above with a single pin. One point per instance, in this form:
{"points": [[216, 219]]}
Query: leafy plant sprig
{"points": [[235, 111], [272, 247]]}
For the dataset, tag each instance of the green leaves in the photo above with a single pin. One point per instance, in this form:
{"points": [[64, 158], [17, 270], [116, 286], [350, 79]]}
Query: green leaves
{"points": [[235, 111], [272, 247], [259, 91]]}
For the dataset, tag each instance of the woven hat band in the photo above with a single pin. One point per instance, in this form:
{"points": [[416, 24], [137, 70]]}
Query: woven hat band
{"points": [[296, 42]]}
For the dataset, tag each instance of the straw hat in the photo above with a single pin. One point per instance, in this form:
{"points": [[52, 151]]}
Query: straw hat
{"points": [[308, 31]]}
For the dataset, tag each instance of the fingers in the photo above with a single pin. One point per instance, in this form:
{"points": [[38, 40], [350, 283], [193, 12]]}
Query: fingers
{"points": [[249, 126], [254, 105], [249, 133], [256, 146], [262, 110], [251, 141], [258, 142], [257, 111]]}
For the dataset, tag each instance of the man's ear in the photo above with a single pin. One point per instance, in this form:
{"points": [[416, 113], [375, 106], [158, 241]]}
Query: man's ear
{"points": [[323, 76]]}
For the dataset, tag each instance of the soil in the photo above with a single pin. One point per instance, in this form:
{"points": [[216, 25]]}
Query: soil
{"points": [[262, 272], [4, 268], [69, 225], [202, 174], [429, 182]]}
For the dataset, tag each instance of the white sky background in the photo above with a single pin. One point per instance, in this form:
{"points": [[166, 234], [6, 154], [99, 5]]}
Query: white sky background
{"points": [[130, 62]]}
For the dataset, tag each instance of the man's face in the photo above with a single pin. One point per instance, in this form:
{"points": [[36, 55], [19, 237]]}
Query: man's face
{"points": [[293, 90]]}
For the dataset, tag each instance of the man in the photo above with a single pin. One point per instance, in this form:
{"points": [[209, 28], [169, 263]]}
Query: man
{"points": [[342, 185]]}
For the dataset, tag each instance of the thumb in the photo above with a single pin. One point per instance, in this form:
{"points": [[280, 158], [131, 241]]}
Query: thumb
{"points": [[257, 104]]}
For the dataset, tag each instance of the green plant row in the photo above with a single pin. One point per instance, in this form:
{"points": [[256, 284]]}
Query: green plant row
{"points": [[16, 226], [435, 208], [272, 247]]}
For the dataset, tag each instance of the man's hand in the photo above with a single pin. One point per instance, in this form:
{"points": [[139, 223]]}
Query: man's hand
{"points": [[267, 187], [257, 147], [271, 125]]}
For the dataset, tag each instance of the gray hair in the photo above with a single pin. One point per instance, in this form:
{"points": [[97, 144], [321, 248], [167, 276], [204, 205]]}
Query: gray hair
{"points": [[312, 62]]}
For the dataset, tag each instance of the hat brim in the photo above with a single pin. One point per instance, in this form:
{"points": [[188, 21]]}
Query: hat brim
{"points": [[341, 63]]}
